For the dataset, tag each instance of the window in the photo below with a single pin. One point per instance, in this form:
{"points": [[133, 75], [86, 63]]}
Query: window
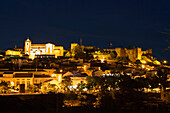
{"points": [[18, 82], [23, 82], [28, 83]]}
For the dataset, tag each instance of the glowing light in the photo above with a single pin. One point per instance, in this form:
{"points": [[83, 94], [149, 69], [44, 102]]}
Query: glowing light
{"points": [[165, 61], [85, 89], [102, 60], [75, 86], [143, 61], [143, 66], [12, 83], [85, 67], [61, 70], [157, 62], [59, 78]]}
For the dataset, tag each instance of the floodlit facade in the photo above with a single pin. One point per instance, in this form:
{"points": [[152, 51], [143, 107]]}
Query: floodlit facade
{"points": [[13, 53], [133, 54], [42, 49], [73, 48], [15, 78]]}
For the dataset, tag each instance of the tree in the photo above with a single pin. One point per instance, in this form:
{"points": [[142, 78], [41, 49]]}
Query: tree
{"points": [[153, 82], [33, 88], [101, 82], [3, 86], [66, 82], [93, 82], [127, 85], [162, 77], [79, 52], [142, 82], [113, 54], [110, 81], [81, 86], [91, 99]]}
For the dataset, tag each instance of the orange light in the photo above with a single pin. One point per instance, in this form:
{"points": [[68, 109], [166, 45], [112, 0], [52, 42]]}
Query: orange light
{"points": [[61, 70]]}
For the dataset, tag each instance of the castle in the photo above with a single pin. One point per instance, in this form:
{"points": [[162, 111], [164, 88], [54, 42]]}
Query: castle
{"points": [[133, 54]]}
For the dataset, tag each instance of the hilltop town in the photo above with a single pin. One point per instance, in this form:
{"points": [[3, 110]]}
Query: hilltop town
{"points": [[47, 68]]}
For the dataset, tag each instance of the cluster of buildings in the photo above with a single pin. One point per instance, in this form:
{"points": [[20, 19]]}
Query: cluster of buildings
{"points": [[37, 50], [37, 64], [51, 50]]}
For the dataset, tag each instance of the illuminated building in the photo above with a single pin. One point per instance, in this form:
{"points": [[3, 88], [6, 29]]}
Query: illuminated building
{"points": [[133, 54], [76, 78], [73, 48], [13, 53], [15, 78], [21, 49], [101, 56], [42, 49]]}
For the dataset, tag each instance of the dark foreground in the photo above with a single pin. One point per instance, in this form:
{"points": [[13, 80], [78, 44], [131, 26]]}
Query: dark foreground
{"points": [[31, 103], [52, 103]]}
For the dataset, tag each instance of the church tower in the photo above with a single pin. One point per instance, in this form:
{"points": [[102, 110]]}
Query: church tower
{"points": [[27, 46]]}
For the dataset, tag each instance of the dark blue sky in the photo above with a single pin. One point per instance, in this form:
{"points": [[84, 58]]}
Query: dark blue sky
{"points": [[98, 22]]}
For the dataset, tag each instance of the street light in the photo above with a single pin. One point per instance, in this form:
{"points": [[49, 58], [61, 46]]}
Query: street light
{"points": [[61, 70]]}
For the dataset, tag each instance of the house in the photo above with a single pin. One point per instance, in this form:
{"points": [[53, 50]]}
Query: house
{"points": [[29, 77], [76, 78]]}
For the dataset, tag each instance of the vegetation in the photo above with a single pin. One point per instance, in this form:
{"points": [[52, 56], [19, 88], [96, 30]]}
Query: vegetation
{"points": [[102, 83], [82, 54], [66, 82], [81, 86], [33, 88], [162, 77], [3, 86]]}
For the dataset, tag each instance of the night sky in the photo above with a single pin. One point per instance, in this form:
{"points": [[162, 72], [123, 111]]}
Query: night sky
{"points": [[124, 23]]}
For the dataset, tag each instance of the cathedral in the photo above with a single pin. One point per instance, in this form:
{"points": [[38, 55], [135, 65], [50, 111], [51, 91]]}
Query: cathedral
{"points": [[42, 50]]}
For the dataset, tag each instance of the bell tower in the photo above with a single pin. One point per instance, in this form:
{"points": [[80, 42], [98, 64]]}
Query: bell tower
{"points": [[27, 46]]}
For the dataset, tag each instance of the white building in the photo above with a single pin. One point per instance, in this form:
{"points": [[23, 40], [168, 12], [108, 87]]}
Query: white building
{"points": [[42, 49]]}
